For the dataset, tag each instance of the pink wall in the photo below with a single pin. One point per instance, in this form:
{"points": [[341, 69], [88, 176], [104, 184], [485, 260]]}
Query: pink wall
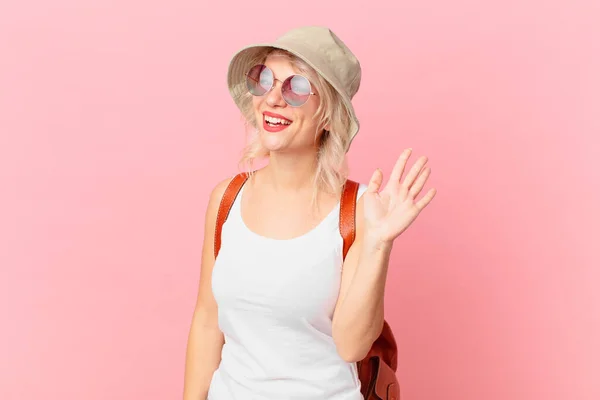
{"points": [[115, 123]]}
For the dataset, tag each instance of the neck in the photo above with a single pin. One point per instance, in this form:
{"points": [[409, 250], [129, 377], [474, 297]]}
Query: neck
{"points": [[291, 171]]}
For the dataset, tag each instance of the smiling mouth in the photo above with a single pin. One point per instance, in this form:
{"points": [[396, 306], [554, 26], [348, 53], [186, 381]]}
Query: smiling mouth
{"points": [[276, 122]]}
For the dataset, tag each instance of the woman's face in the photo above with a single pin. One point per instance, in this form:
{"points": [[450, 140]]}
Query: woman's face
{"points": [[281, 127]]}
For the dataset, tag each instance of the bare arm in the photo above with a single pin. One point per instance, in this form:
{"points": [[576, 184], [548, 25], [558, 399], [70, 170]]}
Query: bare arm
{"points": [[358, 317], [205, 340], [381, 216]]}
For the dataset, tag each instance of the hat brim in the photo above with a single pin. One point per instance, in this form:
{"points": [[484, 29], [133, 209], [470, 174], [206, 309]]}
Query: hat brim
{"points": [[241, 62]]}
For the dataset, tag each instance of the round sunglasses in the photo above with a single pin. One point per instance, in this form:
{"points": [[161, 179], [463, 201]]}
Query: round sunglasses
{"points": [[295, 89]]}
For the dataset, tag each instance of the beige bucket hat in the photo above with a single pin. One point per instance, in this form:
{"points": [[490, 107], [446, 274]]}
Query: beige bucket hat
{"points": [[320, 48]]}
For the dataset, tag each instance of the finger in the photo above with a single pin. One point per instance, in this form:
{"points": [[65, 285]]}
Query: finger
{"points": [[375, 182], [398, 170], [414, 172], [419, 183], [421, 204]]}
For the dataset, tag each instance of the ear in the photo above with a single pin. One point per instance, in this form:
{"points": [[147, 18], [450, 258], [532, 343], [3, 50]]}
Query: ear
{"points": [[321, 137]]}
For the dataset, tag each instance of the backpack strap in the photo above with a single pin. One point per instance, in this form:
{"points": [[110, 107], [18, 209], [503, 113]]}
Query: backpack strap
{"points": [[348, 215], [227, 200]]}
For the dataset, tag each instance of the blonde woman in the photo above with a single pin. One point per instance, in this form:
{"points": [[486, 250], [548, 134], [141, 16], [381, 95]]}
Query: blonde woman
{"points": [[281, 314]]}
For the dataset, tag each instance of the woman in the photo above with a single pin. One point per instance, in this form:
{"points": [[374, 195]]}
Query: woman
{"points": [[279, 314]]}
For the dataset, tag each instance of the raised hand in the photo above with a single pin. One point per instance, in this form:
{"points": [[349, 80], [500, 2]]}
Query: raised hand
{"points": [[390, 211]]}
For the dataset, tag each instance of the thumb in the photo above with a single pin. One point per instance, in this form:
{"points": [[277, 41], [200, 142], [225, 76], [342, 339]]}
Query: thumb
{"points": [[375, 182]]}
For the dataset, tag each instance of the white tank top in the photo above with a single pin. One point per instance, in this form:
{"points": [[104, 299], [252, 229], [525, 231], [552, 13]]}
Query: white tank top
{"points": [[275, 304]]}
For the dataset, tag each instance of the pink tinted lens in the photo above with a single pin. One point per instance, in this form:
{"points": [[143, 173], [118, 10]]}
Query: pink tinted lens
{"points": [[296, 90], [259, 80]]}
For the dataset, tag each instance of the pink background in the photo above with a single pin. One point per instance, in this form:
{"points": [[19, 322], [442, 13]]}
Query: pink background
{"points": [[115, 123]]}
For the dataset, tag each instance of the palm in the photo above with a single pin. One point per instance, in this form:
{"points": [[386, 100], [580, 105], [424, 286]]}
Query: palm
{"points": [[390, 211]]}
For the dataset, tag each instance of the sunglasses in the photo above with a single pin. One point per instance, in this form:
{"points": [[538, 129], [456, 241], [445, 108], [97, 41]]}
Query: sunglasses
{"points": [[295, 89]]}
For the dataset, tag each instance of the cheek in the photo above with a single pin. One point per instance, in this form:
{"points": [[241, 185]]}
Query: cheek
{"points": [[311, 109], [256, 102], [256, 105], [311, 117]]}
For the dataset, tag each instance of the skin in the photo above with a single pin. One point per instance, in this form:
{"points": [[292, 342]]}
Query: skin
{"points": [[382, 214]]}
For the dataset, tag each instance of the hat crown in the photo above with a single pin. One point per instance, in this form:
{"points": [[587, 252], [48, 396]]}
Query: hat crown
{"points": [[324, 50]]}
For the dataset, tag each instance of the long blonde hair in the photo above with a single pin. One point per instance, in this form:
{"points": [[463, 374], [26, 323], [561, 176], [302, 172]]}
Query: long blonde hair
{"points": [[332, 170]]}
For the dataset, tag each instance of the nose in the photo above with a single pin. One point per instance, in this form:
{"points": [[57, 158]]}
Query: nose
{"points": [[274, 97]]}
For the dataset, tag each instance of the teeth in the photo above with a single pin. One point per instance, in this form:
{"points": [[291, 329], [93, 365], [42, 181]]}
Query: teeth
{"points": [[272, 120]]}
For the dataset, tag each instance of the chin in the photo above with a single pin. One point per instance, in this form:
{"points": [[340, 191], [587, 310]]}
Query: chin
{"points": [[272, 143], [275, 140]]}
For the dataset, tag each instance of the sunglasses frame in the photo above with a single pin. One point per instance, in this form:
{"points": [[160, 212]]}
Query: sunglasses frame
{"points": [[247, 74]]}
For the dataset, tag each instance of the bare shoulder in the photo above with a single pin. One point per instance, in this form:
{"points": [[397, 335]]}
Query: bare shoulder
{"points": [[206, 300], [219, 189], [216, 195], [212, 209]]}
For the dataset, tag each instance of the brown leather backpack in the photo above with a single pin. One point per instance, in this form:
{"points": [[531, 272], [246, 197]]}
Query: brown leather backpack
{"points": [[377, 371]]}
